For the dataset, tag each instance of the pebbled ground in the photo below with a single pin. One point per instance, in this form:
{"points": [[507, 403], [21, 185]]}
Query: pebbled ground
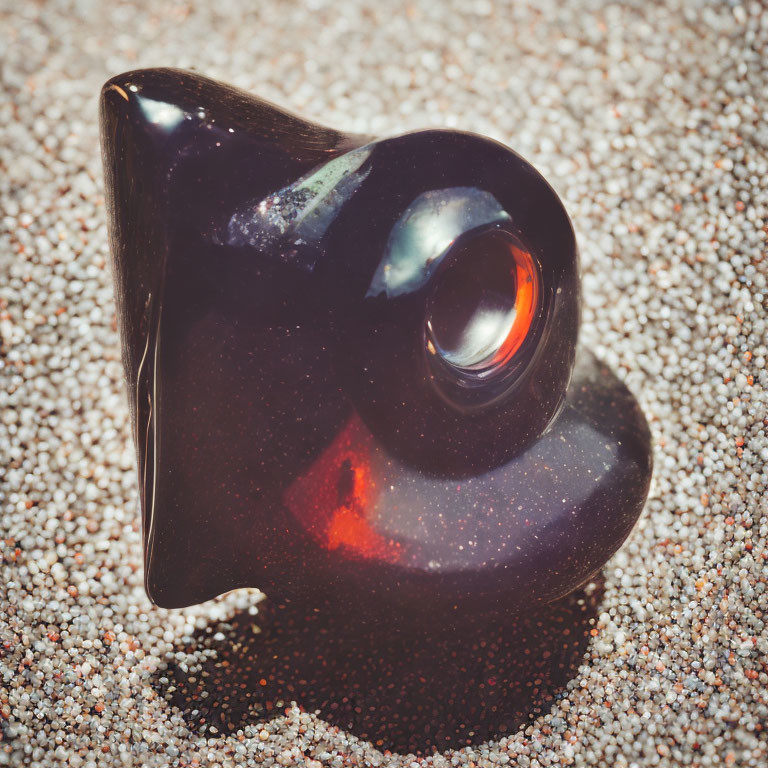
{"points": [[650, 119]]}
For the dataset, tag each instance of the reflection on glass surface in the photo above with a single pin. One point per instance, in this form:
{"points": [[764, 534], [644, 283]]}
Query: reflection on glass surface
{"points": [[161, 114], [425, 231]]}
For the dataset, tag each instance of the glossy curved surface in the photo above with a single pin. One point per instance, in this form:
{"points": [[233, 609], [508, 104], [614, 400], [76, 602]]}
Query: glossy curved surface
{"points": [[349, 362]]}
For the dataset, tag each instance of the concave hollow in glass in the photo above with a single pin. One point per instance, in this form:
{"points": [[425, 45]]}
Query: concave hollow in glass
{"points": [[483, 304]]}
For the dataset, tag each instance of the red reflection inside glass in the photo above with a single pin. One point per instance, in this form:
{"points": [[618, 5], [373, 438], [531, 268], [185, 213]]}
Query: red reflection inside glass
{"points": [[335, 499]]}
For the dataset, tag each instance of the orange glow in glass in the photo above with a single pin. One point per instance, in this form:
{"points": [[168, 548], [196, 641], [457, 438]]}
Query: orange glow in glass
{"points": [[335, 498], [526, 302]]}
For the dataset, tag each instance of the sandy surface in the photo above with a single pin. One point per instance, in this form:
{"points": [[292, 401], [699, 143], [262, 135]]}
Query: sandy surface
{"points": [[651, 122]]}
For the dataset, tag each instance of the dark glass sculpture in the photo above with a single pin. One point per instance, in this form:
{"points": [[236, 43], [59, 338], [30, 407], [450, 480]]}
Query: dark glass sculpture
{"points": [[352, 364]]}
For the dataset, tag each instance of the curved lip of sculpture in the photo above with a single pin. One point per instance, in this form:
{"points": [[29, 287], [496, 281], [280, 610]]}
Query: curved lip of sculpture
{"points": [[496, 377]]}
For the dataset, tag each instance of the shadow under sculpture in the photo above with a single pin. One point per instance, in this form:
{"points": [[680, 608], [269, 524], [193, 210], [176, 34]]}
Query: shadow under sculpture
{"points": [[402, 691], [355, 384]]}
